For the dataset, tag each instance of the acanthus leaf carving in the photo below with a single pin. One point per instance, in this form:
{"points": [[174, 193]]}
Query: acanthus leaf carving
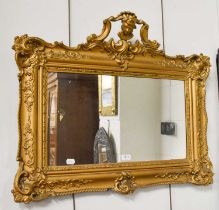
{"points": [[28, 145], [198, 66], [28, 185], [29, 57], [67, 184], [26, 46], [201, 174], [33, 185], [125, 184], [123, 50], [65, 55]]}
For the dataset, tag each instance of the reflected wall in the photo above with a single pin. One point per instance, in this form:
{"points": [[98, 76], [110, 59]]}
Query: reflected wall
{"points": [[134, 133]]}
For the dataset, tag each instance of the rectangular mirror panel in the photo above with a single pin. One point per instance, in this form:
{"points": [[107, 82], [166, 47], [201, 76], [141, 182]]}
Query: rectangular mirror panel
{"points": [[149, 124]]}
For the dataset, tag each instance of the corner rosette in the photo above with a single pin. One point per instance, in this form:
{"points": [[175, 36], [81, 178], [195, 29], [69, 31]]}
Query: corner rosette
{"points": [[202, 173], [26, 46], [199, 66], [29, 186]]}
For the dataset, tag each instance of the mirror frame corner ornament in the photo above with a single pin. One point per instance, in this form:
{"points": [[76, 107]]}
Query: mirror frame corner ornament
{"points": [[35, 180]]}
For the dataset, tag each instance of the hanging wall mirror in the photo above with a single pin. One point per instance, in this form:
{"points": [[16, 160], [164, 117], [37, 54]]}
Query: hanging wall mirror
{"points": [[109, 114]]}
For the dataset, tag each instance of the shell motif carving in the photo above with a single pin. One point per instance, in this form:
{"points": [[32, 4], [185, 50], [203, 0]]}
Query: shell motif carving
{"points": [[125, 184]]}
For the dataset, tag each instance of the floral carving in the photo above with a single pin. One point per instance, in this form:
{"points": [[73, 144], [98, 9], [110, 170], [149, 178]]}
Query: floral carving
{"points": [[201, 174], [198, 66], [123, 51], [125, 184], [28, 144], [65, 55], [67, 184], [28, 88]]}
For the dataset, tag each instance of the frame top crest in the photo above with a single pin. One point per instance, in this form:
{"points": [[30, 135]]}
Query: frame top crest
{"points": [[122, 51]]}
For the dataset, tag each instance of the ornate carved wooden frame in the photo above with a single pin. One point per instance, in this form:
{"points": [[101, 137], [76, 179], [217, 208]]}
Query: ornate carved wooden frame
{"points": [[35, 180]]}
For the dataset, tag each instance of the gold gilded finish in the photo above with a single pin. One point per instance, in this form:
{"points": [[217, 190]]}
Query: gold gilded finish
{"points": [[125, 184], [109, 110], [35, 180], [123, 51]]}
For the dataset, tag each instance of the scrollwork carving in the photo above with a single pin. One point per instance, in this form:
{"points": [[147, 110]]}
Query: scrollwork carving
{"points": [[198, 66], [28, 145], [125, 184], [28, 185], [174, 175], [33, 185], [201, 174], [26, 46], [67, 184], [65, 55], [123, 51]]}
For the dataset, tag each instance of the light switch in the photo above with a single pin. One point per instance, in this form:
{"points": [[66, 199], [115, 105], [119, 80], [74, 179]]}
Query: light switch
{"points": [[126, 157]]}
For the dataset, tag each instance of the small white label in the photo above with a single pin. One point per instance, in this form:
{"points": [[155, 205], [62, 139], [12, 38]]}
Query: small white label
{"points": [[70, 161], [126, 157]]}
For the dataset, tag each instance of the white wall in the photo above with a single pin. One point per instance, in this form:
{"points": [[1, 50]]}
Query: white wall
{"points": [[46, 19], [173, 110], [193, 27], [190, 27]]}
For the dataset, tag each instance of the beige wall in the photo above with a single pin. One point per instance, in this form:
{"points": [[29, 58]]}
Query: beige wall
{"points": [[140, 118], [173, 109]]}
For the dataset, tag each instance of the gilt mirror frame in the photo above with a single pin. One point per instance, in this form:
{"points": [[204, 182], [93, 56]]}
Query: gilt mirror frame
{"points": [[35, 180]]}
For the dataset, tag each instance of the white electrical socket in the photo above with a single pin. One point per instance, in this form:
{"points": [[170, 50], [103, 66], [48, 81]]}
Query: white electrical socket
{"points": [[126, 157]]}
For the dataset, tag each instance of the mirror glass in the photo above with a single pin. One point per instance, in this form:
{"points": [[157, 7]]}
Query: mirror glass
{"points": [[106, 87], [149, 125]]}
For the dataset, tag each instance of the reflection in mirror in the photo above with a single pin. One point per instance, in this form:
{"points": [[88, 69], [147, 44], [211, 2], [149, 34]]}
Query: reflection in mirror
{"points": [[107, 90], [150, 124], [107, 99]]}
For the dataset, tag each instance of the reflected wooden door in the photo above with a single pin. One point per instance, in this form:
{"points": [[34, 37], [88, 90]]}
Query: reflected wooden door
{"points": [[77, 117]]}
